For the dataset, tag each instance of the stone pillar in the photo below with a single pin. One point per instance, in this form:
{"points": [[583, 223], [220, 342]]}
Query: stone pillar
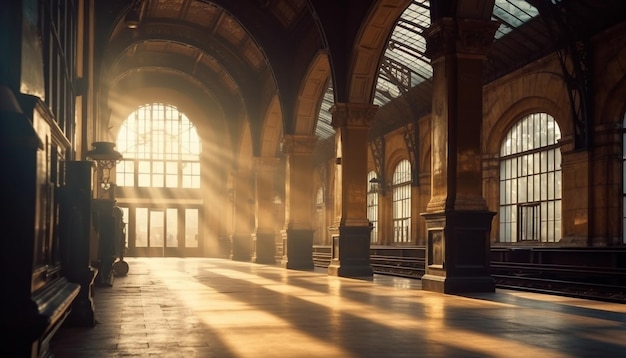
{"points": [[350, 232], [491, 188], [263, 236], [457, 219], [243, 201], [297, 233]]}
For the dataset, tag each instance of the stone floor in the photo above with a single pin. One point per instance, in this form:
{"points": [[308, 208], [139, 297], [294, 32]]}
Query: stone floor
{"points": [[171, 307]]}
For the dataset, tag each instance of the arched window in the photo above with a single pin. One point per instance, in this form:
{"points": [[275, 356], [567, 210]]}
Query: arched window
{"points": [[401, 188], [161, 148], [161, 151], [372, 207], [530, 181], [320, 233]]}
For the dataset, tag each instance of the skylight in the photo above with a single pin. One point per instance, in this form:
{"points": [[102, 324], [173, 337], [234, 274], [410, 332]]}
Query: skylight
{"points": [[405, 64]]}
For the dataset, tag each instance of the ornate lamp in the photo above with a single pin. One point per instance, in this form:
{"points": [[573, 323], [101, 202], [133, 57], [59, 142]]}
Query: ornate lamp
{"points": [[106, 158], [378, 186]]}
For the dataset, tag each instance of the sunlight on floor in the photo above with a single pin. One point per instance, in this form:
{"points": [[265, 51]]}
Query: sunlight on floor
{"points": [[240, 322]]}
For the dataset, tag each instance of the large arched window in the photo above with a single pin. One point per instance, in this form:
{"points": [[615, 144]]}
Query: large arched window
{"points": [[320, 233], [530, 181], [161, 148], [372, 206], [401, 188], [161, 151]]}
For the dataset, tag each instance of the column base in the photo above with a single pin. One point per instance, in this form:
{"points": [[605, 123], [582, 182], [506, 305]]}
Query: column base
{"points": [[264, 248], [241, 247], [452, 285], [298, 249], [350, 252], [457, 252]]}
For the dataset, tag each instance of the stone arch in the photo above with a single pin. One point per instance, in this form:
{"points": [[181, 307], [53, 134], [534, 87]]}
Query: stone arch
{"points": [[612, 112], [493, 136], [311, 94], [610, 97], [122, 106], [395, 157], [272, 129], [539, 91], [370, 47], [245, 150]]}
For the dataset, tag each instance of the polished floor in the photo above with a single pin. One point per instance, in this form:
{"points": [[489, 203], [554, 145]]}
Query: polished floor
{"points": [[170, 307]]}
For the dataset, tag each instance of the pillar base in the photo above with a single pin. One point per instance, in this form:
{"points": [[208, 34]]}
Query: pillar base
{"points": [[264, 248], [241, 247], [457, 252], [350, 252], [452, 285], [298, 249]]}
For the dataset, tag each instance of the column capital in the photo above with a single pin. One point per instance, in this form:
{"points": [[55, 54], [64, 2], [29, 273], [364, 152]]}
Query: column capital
{"points": [[261, 163], [298, 143], [353, 114], [470, 37]]}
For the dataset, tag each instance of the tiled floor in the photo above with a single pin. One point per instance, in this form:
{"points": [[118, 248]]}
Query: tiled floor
{"points": [[169, 307]]}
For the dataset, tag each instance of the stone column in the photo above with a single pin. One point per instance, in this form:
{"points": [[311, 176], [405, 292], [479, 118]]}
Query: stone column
{"points": [[298, 233], [243, 201], [263, 236], [350, 233], [457, 219]]}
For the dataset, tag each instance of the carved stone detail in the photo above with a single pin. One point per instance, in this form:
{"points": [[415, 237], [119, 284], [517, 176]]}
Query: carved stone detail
{"points": [[464, 36], [353, 115], [298, 144], [266, 163]]}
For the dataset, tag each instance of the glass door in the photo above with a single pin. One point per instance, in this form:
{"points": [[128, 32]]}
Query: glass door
{"points": [[163, 232]]}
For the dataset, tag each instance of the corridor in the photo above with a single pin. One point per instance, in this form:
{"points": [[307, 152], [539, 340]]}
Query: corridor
{"points": [[200, 307]]}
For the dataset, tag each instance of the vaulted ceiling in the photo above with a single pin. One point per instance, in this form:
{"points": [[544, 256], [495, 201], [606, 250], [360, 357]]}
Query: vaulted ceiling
{"points": [[266, 63]]}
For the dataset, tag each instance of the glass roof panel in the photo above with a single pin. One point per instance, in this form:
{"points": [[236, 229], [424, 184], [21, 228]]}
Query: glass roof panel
{"points": [[512, 14], [323, 128], [405, 64]]}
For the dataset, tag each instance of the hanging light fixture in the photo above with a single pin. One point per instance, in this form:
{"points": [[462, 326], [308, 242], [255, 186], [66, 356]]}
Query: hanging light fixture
{"points": [[378, 186]]}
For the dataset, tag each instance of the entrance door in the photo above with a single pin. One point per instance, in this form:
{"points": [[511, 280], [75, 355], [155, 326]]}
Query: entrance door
{"points": [[163, 232]]}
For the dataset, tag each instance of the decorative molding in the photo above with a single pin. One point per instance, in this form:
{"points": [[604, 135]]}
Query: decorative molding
{"points": [[353, 115], [298, 144], [461, 36], [266, 163]]}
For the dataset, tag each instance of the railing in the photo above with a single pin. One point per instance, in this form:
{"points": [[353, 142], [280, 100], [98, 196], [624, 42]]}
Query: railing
{"points": [[404, 261], [595, 273]]}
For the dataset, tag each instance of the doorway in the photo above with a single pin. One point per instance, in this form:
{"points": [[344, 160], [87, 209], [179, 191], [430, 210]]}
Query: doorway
{"points": [[155, 231]]}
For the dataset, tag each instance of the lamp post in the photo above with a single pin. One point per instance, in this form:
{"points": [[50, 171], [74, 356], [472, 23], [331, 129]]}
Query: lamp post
{"points": [[108, 225], [106, 158]]}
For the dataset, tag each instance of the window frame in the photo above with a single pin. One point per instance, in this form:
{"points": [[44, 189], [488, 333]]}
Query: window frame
{"points": [[401, 202], [531, 181]]}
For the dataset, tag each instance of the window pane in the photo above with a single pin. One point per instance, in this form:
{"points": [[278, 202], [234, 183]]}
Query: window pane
{"points": [[144, 173], [402, 202], [191, 227], [536, 177], [154, 133], [171, 174], [157, 226], [141, 227], [158, 169], [125, 173], [172, 228]]}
